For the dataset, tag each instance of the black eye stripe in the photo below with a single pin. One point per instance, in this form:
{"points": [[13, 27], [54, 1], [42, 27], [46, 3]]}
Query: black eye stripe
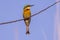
{"points": [[27, 9]]}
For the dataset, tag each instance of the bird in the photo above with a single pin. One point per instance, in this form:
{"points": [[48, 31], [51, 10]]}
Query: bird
{"points": [[27, 17]]}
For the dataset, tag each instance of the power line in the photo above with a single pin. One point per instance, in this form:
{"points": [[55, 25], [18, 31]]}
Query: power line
{"points": [[31, 16], [45, 9]]}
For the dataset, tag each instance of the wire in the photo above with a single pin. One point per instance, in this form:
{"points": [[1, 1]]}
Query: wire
{"points": [[31, 16], [45, 9]]}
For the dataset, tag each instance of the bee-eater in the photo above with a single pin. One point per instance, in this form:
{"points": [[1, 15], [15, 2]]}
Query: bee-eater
{"points": [[27, 17]]}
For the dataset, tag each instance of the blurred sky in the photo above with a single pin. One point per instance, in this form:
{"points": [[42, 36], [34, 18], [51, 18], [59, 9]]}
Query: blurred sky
{"points": [[41, 27]]}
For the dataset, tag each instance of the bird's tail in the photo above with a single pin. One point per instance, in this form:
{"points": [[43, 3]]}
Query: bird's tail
{"points": [[27, 30]]}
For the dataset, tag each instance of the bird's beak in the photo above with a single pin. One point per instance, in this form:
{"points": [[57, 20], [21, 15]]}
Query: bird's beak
{"points": [[31, 5]]}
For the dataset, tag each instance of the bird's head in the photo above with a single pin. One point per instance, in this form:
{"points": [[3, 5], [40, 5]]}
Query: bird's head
{"points": [[28, 6]]}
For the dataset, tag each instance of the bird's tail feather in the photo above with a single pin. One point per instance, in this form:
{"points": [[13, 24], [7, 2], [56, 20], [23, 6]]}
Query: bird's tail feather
{"points": [[27, 30]]}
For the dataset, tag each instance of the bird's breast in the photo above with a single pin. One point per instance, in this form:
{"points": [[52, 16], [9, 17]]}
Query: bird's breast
{"points": [[27, 14]]}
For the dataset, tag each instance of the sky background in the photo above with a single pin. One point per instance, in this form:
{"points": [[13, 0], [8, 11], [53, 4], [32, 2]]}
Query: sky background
{"points": [[41, 26]]}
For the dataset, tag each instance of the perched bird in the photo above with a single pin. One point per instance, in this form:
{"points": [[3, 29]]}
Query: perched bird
{"points": [[27, 17]]}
